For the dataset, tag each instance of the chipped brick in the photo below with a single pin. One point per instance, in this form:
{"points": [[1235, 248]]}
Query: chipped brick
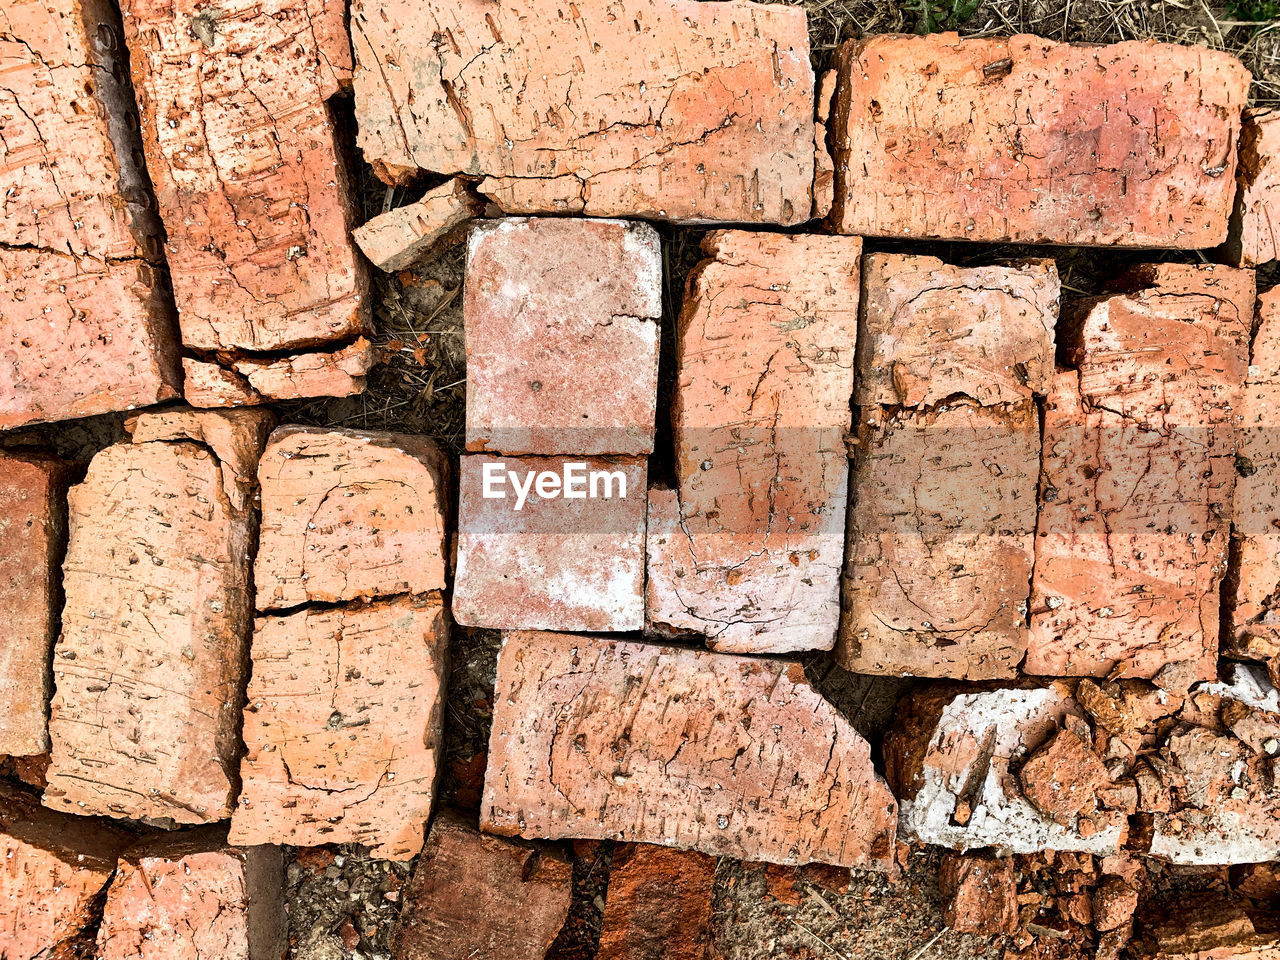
{"points": [[659, 904], [403, 236], [1255, 225], [207, 384], [1204, 926], [339, 373], [981, 895], [1063, 778]]}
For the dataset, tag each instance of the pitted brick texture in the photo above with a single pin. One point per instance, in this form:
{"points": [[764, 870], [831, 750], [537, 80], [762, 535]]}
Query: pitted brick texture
{"points": [[1255, 226]]}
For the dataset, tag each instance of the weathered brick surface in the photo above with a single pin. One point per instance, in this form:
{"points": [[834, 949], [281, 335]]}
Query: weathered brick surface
{"points": [[556, 563], [1017, 139], [478, 896], [562, 336], [33, 529], [730, 756], [148, 668], [400, 237], [1255, 225], [1137, 479], [981, 894], [207, 384], [940, 541], [658, 904], [349, 514], [342, 727], [747, 550], [193, 897], [1205, 927], [336, 373], [931, 330], [666, 109]]}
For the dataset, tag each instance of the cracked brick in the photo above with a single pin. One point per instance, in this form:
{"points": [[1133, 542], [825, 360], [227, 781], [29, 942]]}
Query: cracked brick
{"points": [[1255, 224], [695, 112], [730, 756], [658, 905], [405, 235], [1204, 926], [1025, 140], [981, 894], [249, 380]]}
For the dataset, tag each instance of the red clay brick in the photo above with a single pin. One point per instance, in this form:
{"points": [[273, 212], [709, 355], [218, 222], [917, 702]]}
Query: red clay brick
{"points": [[1017, 139], [347, 515], [747, 550], [342, 727], [664, 109], [658, 904], [1204, 926], [339, 373], [193, 897], [981, 894], [562, 336], [1137, 479], [931, 330], [477, 896], [401, 237], [940, 541], [729, 756], [148, 669], [1255, 225], [208, 384], [554, 563]]}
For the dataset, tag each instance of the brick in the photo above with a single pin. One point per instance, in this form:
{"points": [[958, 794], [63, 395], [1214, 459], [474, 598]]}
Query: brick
{"points": [[658, 905], [981, 894], [148, 670], [728, 756], [931, 330], [343, 727], [1255, 224], [339, 373], [349, 514], [940, 541], [694, 112], [562, 336], [479, 896], [1015, 139], [1137, 479], [747, 549], [403, 236], [33, 531], [81, 337], [1204, 926], [193, 897], [56, 867], [553, 563], [1063, 778], [207, 384]]}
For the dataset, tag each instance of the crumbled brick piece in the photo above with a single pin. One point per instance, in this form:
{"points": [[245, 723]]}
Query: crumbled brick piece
{"points": [[791, 884], [695, 112], [207, 384], [342, 727], [747, 550], [659, 904], [1204, 927], [729, 756], [562, 336], [1063, 777], [550, 562], [940, 541], [193, 897], [349, 514], [1255, 225], [474, 895], [401, 237], [1015, 139], [315, 374], [1114, 902], [148, 669], [982, 896], [932, 330], [1137, 479]]}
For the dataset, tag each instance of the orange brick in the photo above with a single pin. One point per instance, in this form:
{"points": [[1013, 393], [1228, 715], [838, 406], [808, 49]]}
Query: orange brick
{"points": [[658, 904], [403, 236], [1255, 225]]}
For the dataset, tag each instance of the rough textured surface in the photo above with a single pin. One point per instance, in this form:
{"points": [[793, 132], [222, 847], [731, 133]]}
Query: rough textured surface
{"points": [[562, 336], [940, 541], [665, 109], [1026, 140], [148, 670], [478, 896], [33, 530], [342, 727], [349, 514], [931, 330], [747, 550], [1206, 927], [402, 236], [982, 895], [1255, 226], [207, 384], [338, 373], [556, 563], [730, 756], [1137, 479], [659, 904]]}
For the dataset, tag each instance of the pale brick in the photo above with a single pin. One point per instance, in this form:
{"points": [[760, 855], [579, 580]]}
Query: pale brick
{"points": [[664, 109], [401, 237], [1137, 479], [747, 550], [940, 541], [207, 384], [729, 756], [1026, 140], [347, 515], [562, 336], [552, 563], [659, 904], [342, 727], [931, 330], [339, 373], [1255, 225]]}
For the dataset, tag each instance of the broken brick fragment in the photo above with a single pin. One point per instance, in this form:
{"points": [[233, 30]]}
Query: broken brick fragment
{"points": [[1204, 927], [401, 237], [729, 756], [1255, 225], [695, 112], [207, 384], [1013, 140], [1114, 902], [316, 373], [747, 549], [473, 895], [981, 895], [1063, 777], [561, 330], [348, 514], [658, 905]]}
